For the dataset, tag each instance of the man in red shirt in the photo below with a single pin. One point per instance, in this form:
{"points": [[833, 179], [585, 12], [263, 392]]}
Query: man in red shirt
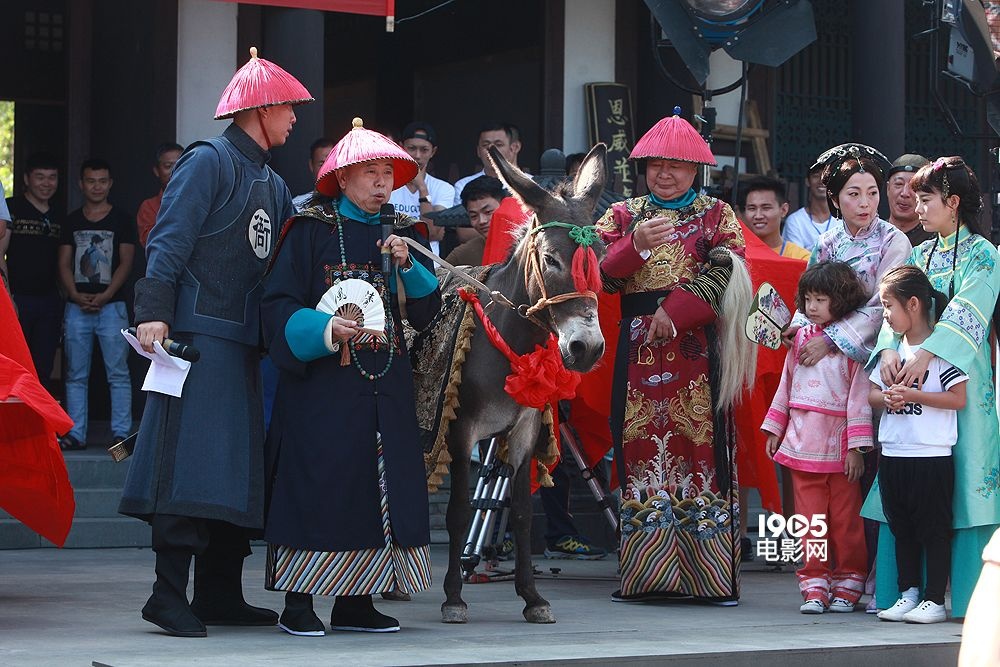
{"points": [[166, 155]]}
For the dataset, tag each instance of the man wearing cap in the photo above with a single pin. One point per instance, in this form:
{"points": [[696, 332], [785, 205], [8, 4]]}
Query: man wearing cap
{"points": [[348, 512], [197, 474], [902, 199], [803, 227], [677, 373], [425, 193]]}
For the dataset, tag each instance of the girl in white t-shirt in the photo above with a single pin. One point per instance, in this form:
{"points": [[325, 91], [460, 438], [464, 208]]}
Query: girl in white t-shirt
{"points": [[919, 427]]}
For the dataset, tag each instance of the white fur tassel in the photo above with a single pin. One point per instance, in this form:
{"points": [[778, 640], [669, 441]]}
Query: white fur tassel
{"points": [[737, 353]]}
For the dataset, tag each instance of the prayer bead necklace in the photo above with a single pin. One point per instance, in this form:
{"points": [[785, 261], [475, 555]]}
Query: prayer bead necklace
{"points": [[388, 321]]}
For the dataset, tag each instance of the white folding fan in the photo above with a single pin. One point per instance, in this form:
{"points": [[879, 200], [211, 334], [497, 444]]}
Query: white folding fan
{"points": [[356, 300], [768, 317]]}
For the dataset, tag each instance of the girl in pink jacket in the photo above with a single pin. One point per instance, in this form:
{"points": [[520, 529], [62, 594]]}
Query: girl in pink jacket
{"points": [[818, 426]]}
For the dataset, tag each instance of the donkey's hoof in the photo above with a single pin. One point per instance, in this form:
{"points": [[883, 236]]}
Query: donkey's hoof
{"points": [[540, 614], [454, 613]]}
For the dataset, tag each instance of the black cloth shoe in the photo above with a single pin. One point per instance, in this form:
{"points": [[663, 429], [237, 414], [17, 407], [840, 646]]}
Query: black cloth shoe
{"points": [[298, 617], [168, 607], [218, 590], [356, 613]]}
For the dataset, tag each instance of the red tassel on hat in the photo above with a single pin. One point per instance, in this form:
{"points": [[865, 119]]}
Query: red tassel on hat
{"points": [[260, 83]]}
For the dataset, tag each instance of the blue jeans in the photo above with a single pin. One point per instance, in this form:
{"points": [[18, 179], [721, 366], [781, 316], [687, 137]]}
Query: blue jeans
{"points": [[81, 328]]}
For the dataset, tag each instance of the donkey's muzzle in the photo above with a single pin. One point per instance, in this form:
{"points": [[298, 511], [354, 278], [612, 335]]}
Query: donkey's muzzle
{"points": [[582, 356]]}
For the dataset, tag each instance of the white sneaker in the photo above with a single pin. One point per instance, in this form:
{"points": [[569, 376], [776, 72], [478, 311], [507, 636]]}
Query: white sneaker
{"points": [[871, 607], [896, 611], [841, 606], [812, 607], [927, 612]]}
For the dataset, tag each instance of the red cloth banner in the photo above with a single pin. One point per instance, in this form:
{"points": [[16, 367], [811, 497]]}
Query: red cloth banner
{"points": [[368, 7], [754, 467]]}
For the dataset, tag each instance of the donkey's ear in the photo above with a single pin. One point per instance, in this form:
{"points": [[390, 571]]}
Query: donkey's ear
{"points": [[530, 193], [589, 182]]}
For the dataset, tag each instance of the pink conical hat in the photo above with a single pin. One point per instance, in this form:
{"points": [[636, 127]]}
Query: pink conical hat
{"points": [[361, 145], [673, 138], [260, 83]]}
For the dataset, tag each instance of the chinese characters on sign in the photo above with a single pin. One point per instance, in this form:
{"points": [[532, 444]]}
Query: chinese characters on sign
{"points": [[609, 120], [793, 540]]}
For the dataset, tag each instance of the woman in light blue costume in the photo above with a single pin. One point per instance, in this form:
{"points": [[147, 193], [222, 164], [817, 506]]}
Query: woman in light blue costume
{"points": [[963, 265]]}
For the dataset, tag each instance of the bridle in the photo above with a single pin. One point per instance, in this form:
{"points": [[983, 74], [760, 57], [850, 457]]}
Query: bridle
{"points": [[584, 236]]}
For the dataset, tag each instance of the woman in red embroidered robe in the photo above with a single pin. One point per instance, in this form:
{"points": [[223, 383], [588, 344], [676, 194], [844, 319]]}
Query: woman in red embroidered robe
{"points": [[680, 510]]}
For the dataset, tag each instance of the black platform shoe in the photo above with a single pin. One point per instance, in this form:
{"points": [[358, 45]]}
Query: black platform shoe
{"points": [[218, 592], [298, 617], [356, 613], [168, 606]]}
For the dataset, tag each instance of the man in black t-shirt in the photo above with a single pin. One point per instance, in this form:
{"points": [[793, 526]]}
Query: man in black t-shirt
{"points": [[95, 259], [32, 248]]}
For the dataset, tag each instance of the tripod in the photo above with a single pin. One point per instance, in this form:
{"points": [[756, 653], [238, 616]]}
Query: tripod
{"points": [[491, 500], [490, 503]]}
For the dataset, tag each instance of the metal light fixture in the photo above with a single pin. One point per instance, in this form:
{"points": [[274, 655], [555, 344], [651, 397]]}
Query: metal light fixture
{"points": [[726, 10], [745, 29], [970, 47]]}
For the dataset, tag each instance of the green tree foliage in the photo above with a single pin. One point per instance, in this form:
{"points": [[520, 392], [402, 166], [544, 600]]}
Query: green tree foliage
{"points": [[7, 146]]}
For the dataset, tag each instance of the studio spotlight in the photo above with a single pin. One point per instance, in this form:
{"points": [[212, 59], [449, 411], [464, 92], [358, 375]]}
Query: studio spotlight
{"points": [[970, 47], [745, 29]]}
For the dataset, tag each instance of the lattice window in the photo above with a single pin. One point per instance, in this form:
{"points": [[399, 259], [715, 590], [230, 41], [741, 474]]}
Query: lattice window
{"points": [[43, 31], [813, 96]]}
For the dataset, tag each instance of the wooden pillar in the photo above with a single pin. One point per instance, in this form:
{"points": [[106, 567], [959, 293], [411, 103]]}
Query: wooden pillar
{"points": [[78, 98], [878, 93], [552, 75], [294, 39]]}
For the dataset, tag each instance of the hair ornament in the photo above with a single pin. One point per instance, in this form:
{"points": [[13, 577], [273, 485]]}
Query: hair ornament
{"points": [[839, 154]]}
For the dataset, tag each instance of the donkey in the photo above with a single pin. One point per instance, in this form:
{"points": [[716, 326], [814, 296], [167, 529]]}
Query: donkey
{"points": [[485, 409]]}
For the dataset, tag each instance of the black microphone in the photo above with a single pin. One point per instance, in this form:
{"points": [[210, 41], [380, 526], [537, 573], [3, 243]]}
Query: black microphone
{"points": [[173, 348], [387, 219]]}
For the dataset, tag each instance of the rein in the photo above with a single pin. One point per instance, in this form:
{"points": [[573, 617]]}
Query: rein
{"points": [[584, 237]]}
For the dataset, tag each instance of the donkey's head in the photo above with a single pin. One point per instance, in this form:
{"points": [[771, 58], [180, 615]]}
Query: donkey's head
{"points": [[559, 253]]}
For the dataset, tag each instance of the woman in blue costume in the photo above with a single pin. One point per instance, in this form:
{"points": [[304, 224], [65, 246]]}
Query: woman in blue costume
{"points": [[348, 510], [962, 264]]}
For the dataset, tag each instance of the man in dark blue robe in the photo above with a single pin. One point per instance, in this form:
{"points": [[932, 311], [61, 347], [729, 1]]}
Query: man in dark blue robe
{"points": [[197, 474], [344, 433]]}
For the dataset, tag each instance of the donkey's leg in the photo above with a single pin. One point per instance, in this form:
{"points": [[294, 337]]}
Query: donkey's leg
{"points": [[521, 445], [454, 609]]}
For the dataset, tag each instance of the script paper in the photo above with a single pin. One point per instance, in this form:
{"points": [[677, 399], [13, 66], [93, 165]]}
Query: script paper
{"points": [[166, 374]]}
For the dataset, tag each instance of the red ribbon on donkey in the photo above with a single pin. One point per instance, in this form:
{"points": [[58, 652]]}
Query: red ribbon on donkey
{"points": [[537, 378]]}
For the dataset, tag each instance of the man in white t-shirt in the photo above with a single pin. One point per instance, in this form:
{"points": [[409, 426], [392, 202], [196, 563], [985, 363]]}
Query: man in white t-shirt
{"points": [[506, 138], [425, 193], [804, 226], [318, 152]]}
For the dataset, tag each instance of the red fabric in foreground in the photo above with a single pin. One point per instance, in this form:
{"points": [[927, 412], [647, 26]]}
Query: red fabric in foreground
{"points": [[754, 467], [34, 485]]}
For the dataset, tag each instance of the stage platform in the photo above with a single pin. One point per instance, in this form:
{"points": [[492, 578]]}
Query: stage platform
{"points": [[81, 607]]}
